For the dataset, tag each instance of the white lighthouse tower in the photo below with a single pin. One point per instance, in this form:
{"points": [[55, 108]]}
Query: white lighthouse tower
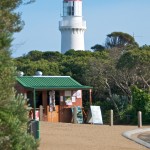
{"points": [[72, 26]]}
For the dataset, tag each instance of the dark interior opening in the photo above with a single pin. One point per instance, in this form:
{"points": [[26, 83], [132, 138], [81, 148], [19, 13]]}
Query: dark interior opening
{"points": [[57, 97], [38, 98], [31, 98]]}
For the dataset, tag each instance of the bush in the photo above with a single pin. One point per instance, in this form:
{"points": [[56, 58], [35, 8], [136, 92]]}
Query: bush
{"points": [[141, 102]]}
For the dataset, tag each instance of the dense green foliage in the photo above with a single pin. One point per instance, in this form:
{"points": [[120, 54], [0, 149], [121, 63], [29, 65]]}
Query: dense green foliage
{"points": [[13, 125], [141, 102], [97, 47], [13, 110], [111, 73]]}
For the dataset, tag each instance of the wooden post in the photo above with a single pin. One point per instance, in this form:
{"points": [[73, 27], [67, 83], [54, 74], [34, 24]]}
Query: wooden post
{"points": [[41, 113], [44, 101], [139, 119], [90, 96], [48, 116], [47, 109], [75, 115], [111, 118], [34, 102]]}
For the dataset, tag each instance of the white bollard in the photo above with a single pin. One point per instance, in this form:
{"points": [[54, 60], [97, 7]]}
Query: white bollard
{"points": [[139, 119], [111, 118]]}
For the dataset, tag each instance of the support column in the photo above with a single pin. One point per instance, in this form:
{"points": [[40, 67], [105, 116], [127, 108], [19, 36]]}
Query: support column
{"points": [[44, 101], [34, 103], [25, 95], [75, 115]]}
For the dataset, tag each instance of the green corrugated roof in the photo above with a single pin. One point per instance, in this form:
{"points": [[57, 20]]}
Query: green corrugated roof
{"points": [[50, 82]]}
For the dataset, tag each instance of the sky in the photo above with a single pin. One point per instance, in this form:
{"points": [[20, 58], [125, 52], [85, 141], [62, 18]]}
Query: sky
{"points": [[102, 16]]}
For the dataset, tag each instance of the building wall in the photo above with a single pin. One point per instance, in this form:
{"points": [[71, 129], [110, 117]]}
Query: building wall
{"points": [[20, 89], [72, 39], [63, 112]]}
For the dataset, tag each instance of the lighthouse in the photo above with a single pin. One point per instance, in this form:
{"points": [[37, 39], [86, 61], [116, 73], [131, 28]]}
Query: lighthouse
{"points": [[72, 26]]}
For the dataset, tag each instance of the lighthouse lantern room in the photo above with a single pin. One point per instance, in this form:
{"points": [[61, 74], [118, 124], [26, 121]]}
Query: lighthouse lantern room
{"points": [[72, 26]]}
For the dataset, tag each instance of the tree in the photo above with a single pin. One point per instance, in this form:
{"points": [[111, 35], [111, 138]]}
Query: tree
{"points": [[52, 56], [30, 67], [13, 112], [119, 40], [70, 52], [34, 55], [74, 66], [112, 77], [141, 102], [137, 61], [13, 126], [98, 47], [99, 74]]}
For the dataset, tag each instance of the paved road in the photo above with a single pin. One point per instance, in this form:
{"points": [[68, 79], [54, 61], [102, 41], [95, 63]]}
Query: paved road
{"points": [[63, 136], [145, 137], [140, 135]]}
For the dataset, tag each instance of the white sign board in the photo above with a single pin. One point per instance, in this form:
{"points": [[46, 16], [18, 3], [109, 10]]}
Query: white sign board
{"points": [[73, 99], [95, 115], [61, 98], [79, 94]]}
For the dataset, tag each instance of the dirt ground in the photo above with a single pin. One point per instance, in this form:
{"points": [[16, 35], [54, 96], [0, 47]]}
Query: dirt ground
{"points": [[63, 136]]}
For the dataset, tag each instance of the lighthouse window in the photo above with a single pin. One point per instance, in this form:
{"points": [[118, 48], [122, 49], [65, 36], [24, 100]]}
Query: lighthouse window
{"points": [[73, 11], [70, 11], [65, 6], [68, 8]]}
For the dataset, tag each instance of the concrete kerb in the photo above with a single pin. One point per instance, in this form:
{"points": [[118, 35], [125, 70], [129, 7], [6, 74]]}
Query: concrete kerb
{"points": [[128, 134]]}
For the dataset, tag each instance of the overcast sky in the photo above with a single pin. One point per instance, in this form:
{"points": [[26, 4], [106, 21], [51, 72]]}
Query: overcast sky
{"points": [[103, 17]]}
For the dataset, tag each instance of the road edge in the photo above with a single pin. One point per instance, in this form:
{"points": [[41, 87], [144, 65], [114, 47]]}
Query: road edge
{"points": [[128, 135]]}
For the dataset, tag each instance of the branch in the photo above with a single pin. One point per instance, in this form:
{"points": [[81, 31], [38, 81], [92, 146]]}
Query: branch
{"points": [[111, 97], [145, 81]]}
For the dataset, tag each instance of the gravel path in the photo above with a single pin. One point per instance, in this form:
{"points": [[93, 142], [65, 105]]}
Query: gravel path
{"points": [[63, 136]]}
